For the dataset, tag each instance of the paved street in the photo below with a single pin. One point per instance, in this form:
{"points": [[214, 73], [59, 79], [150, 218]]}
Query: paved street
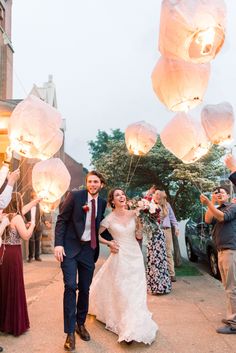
{"points": [[187, 317]]}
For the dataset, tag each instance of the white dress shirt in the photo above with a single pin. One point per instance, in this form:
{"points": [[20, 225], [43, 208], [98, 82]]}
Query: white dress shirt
{"points": [[5, 197], [87, 230], [3, 174]]}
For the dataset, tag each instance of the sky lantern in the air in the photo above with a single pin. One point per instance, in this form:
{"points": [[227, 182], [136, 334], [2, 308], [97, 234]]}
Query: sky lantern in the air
{"points": [[185, 138], [218, 122], [192, 30], [140, 137], [34, 129], [50, 179], [180, 85]]}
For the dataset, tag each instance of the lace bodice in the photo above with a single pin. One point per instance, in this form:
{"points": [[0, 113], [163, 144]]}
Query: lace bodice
{"points": [[122, 233], [11, 237]]}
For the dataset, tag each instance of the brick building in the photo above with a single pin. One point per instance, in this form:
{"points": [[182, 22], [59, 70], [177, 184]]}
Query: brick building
{"points": [[6, 50]]}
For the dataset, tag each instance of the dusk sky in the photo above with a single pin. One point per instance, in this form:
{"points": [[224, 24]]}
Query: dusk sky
{"points": [[101, 54]]}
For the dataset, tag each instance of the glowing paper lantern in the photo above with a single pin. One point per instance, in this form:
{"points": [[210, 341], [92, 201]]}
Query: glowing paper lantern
{"points": [[192, 30], [50, 179], [140, 137], [48, 207], [180, 85], [218, 122], [34, 129], [185, 138]]}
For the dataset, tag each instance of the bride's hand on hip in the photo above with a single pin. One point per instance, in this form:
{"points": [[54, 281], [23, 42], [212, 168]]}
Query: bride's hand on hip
{"points": [[114, 246]]}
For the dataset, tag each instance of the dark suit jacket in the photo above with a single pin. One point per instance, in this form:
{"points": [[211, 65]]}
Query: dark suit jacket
{"points": [[232, 177], [38, 219], [71, 222]]}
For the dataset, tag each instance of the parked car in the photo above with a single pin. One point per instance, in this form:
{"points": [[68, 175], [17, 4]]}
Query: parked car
{"points": [[199, 244]]}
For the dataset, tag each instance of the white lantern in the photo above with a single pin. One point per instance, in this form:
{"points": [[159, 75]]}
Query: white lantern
{"points": [[34, 129], [50, 179], [140, 137], [192, 30], [218, 122], [185, 138], [180, 85], [48, 207]]}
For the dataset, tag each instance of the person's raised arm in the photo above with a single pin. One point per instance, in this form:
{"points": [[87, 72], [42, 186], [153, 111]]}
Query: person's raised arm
{"points": [[19, 224], [212, 211], [5, 196]]}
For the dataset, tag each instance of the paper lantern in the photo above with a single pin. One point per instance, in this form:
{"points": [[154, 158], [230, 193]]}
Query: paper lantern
{"points": [[185, 138], [192, 30], [34, 129], [180, 85], [50, 179], [49, 207], [218, 122], [140, 137]]}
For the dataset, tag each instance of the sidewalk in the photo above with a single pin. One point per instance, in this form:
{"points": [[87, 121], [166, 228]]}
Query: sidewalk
{"points": [[187, 317]]}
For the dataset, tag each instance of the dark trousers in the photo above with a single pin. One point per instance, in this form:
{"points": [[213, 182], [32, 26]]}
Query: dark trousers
{"points": [[83, 265], [34, 244]]}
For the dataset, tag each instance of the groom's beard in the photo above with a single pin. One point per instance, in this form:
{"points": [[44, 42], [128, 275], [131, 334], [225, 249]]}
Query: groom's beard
{"points": [[94, 193]]}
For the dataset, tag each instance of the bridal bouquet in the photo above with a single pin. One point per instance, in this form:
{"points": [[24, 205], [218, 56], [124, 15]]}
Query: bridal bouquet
{"points": [[148, 213]]}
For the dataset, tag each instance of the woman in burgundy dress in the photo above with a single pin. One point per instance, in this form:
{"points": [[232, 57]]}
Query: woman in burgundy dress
{"points": [[13, 308]]}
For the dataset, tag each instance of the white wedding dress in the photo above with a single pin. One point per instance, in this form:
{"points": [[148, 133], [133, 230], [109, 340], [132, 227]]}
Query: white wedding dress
{"points": [[118, 293]]}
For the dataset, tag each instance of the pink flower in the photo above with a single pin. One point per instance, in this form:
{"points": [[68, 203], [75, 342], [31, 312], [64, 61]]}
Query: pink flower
{"points": [[85, 207]]}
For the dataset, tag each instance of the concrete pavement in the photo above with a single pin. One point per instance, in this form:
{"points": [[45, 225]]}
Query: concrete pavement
{"points": [[187, 317]]}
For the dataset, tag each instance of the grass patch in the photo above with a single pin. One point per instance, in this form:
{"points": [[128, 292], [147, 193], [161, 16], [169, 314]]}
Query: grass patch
{"points": [[187, 269]]}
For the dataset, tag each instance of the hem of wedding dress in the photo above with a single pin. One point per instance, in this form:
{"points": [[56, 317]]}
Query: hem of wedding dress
{"points": [[131, 338], [112, 328]]}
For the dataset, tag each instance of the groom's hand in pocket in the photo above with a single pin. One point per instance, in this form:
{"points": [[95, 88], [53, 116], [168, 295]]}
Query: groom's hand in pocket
{"points": [[114, 246]]}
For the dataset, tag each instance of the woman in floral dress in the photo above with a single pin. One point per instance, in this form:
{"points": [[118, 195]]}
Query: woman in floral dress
{"points": [[158, 278]]}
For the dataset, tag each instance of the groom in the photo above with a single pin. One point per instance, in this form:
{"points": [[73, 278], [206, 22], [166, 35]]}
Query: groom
{"points": [[77, 248]]}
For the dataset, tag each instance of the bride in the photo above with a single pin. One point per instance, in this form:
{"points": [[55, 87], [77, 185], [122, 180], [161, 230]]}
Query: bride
{"points": [[118, 292]]}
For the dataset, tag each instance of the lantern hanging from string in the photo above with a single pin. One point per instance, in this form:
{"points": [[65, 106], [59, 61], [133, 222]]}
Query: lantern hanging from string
{"points": [[50, 179], [140, 137], [49, 207], [218, 122], [185, 138], [192, 30], [34, 129], [180, 85]]}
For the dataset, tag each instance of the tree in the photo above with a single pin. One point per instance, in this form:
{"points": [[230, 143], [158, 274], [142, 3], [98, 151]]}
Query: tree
{"points": [[182, 183]]}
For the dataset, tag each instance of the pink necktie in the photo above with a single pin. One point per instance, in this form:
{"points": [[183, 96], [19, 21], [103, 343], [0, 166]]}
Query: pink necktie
{"points": [[93, 226]]}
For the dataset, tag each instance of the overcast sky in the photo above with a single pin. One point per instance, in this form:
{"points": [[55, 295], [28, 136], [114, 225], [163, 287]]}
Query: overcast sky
{"points": [[101, 54]]}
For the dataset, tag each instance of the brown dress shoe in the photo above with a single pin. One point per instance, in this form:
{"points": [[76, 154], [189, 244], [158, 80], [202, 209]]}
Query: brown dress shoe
{"points": [[70, 342], [82, 332]]}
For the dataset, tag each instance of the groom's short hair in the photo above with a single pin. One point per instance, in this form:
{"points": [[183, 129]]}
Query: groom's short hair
{"points": [[99, 175]]}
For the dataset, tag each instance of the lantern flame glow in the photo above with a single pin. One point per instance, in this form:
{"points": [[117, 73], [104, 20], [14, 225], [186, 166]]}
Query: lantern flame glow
{"points": [[140, 137]]}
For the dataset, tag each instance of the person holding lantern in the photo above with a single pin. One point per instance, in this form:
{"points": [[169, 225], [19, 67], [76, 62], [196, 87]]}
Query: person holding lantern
{"points": [[224, 220], [5, 198], [14, 315], [77, 249]]}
